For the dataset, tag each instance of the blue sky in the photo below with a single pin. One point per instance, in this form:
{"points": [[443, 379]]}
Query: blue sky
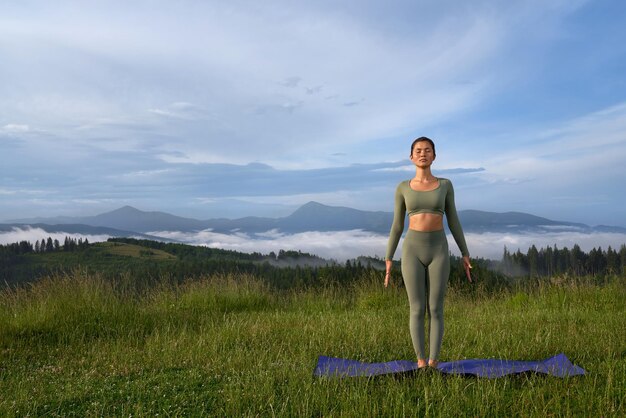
{"points": [[208, 109]]}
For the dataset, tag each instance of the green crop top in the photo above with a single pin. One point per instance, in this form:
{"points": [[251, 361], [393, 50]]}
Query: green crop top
{"points": [[439, 200]]}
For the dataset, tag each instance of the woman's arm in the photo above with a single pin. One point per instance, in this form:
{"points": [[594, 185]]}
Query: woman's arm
{"points": [[457, 232], [397, 227], [453, 221]]}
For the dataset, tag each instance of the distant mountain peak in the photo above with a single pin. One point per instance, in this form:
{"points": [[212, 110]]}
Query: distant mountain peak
{"points": [[126, 208], [313, 204], [308, 209], [313, 208]]}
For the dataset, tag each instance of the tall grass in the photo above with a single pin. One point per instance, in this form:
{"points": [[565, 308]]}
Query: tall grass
{"points": [[227, 345]]}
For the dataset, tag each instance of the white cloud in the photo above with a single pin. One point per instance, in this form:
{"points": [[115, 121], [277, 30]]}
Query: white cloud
{"points": [[342, 245], [142, 173], [106, 87], [228, 60], [92, 201], [7, 191], [48, 202], [181, 110], [15, 128], [567, 171], [491, 245], [339, 245], [271, 234], [161, 112], [37, 234], [565, 154], [404, 168]]}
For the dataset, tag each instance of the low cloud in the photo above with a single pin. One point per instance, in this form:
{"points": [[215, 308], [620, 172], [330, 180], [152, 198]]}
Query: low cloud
{"points": [[337, 245], [491, 245], [37, 234], [343, 245]]}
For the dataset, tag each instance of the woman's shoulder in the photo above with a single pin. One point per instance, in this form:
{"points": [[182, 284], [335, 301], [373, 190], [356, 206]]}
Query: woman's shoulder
{"points": [[403, 184], [445, 183]]}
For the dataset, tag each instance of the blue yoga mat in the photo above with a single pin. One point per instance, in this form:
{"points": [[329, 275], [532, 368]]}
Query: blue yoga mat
{"points": [[558, 365]]}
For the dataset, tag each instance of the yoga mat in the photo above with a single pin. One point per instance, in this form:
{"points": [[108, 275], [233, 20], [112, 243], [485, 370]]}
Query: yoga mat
{"points": [[558, 365]]}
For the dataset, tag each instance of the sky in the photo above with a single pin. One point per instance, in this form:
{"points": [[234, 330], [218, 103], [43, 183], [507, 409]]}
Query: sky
{"points": [[228, 109]]}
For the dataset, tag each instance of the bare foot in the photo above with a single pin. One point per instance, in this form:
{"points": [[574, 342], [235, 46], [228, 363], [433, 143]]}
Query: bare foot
{"points": [[433, 363], [421, 363]]}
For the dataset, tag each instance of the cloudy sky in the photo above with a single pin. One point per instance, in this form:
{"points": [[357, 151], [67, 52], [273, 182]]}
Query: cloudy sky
{"points": [[234, 108]]}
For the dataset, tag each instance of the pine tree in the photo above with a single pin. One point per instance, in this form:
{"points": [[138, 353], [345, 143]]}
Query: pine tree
{"points": [[563, 261], [549, 261], [577, 260], [26, 247], [622, 259], [533, 258], [506, 261]]}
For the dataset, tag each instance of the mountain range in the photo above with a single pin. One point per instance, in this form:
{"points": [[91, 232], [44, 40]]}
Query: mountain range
{"points": [[312, 216]]}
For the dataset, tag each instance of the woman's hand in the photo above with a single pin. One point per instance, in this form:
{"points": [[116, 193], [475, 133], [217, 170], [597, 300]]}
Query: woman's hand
{"points": [[467, 266], [388, 265]]}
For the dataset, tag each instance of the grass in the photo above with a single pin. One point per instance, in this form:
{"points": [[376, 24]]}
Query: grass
{"points": [[132, 250], [77, 345]]}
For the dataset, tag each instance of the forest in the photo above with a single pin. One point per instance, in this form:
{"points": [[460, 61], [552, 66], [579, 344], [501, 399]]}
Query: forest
{"points": [[148, 261]]}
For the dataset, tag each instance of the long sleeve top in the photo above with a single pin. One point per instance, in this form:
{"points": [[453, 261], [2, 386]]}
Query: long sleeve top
{"points": [[439, 200]]}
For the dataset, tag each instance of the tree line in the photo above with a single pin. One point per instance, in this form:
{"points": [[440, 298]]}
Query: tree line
{"points": [[14, 254], [552, 261], [22, 262], [44, 246]]}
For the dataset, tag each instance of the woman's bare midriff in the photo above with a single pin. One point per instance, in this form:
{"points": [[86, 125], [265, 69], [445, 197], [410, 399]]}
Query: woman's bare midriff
{"points": [[426, 222]]}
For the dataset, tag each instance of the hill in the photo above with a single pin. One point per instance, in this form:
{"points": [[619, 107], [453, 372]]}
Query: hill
{"points": [[147, 260]]}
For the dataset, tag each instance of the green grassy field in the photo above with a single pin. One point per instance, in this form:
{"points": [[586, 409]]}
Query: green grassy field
{"points": [[77, 345], [131, 250]]}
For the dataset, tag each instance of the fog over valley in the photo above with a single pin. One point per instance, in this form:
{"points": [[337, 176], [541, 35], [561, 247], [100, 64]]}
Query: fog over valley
{"points": [[343, 245]]}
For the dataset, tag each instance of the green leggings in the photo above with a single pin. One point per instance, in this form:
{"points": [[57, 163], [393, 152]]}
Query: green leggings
{"points": [[425, 260]]}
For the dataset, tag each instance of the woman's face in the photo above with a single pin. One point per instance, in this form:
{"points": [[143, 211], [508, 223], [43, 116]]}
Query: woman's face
{"points": [[423, 155]]}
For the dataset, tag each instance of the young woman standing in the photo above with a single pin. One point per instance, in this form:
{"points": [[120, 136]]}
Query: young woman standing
{"points": [[426, 198]]}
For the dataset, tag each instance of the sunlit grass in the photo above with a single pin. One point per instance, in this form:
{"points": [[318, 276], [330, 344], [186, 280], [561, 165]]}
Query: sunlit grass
{"points": [[132, 250], [229, 345]]}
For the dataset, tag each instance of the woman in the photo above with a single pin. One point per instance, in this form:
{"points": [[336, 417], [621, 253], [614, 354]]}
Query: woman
{"points": [[425, 248]]}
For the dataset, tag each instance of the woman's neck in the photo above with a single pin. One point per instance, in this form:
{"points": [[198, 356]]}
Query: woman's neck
{"points": [[423, 175]]}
